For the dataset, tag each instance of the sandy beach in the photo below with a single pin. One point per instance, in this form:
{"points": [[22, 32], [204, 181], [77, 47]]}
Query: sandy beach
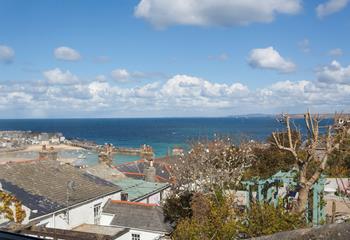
{"points": [[32, 152], [59, 147]]}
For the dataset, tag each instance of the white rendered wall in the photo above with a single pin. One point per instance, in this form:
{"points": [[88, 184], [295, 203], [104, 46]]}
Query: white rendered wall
{"points": [[155, 198], [106, 219], [144, 235], [78, 215]]}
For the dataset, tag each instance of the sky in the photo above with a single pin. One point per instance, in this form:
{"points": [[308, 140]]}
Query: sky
{"points": [[173, 58]]}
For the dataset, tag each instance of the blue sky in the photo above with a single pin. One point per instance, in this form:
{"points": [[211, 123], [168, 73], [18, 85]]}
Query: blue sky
{"points": [[164, 58]]}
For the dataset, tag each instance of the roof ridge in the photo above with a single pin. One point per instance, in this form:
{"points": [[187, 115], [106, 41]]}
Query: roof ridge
{"points": [[135, 203]]}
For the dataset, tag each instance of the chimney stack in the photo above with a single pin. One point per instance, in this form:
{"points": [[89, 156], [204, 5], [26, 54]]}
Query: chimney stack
{"points": [[150, 172]]}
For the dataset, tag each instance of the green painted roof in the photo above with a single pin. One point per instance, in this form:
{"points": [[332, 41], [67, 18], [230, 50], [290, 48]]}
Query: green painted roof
{"points": [[138, 188]]}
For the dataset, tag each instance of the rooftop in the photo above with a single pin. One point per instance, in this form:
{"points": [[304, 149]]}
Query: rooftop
{"points": [[105, 172], [163, 168], [114, 232], [137, 216], [137, 189], [42, 185]]}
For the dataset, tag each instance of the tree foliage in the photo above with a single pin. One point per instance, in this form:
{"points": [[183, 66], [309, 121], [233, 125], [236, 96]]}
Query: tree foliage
{"points": [[269, 160], [210, 165], [265, 219], [11, 208], [339, 160], [177, 206], [310, 156], [213, 218], [217, 217]]}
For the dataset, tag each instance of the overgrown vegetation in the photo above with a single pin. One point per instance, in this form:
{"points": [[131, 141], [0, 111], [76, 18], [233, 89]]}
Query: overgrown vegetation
{"points": [[339, 160], [11, 208], [202, 206], [265, 219], [217, 217]]}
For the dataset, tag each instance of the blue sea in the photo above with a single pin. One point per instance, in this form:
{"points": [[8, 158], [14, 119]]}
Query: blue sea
{"points": [[161, 133]]}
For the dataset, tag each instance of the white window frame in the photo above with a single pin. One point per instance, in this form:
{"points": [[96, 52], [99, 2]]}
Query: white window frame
{"points": [[97, 213], [135, 236]]}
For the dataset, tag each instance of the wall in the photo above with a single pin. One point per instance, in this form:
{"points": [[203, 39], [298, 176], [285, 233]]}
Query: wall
{"points": [[144, 235], [106, 219], [78, 215], [157, 197]]}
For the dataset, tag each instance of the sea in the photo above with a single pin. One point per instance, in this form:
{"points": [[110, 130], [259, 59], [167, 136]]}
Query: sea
{"points": [[162, 134]]}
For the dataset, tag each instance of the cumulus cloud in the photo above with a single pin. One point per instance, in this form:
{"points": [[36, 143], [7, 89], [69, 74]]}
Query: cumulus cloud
{"points": [[269, 58], [330, 7], [66, 54], [121, 75], [179, 95], [7, 54], [336, 52], [334, 73], [163, 13], [188, 86], [57, 76]]}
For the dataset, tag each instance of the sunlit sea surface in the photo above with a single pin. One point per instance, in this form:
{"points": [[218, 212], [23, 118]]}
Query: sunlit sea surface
{"points": [[161, 133]]}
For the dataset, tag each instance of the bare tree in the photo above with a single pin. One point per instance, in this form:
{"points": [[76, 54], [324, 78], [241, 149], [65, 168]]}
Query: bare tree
{"points": [[211, 165], [311, 155]]}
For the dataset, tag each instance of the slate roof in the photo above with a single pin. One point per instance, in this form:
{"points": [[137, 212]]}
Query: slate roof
{"points": [[42, 185], [163, 168], [105, 172], [137, 215], [137, 189]]}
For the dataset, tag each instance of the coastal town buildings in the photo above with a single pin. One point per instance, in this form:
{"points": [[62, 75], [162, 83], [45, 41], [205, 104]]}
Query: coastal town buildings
{"points": [[56, 195], [16, 140], [145, 221], [134, 190], [60, 198], [163, 168]]}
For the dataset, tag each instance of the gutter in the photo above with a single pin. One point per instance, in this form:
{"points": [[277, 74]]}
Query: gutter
{"points": [[37, 219], [143, 230], [151, 193]]}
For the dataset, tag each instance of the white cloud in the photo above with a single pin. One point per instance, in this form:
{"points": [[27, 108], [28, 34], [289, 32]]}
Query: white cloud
{"points": [[7, 54], [163, 13], [147, 91], [67, 54], [121, 75], [336, 52], [330, 7], [57, 76], [334, 73], [188, 86], [180, 95], [269, 58]]}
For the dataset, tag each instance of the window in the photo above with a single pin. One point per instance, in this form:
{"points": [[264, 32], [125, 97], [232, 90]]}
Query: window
{"points": [[97, 213], [135, 236], [124, 196]]}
